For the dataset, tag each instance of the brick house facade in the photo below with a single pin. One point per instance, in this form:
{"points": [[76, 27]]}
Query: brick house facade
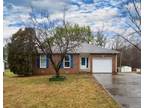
{"points": [[76, 63]]}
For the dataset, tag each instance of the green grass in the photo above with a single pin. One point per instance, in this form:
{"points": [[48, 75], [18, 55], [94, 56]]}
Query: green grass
{"points": [[77, 91]]}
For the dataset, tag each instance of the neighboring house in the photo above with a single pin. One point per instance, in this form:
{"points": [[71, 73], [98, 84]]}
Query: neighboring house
{"points": [[86, 58]]}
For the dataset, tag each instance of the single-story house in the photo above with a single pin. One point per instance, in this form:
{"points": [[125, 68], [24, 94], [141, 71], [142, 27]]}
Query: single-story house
{"points": [[85, 58]]}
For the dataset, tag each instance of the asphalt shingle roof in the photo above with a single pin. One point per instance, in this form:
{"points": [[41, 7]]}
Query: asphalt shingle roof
{"points": [[88, 48]]}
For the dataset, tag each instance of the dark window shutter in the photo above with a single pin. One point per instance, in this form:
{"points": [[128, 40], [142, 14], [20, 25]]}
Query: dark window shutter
{"points": [[71, 61], [47, 61], [38, 61], [87, 62], [61, 66]]}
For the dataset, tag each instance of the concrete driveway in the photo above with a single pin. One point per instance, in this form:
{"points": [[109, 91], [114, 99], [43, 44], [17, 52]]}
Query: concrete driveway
{"points": [[124, 87]]}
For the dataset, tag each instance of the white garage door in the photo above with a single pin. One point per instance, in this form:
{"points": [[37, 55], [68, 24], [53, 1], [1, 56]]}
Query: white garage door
{"points": [[102, 65]]}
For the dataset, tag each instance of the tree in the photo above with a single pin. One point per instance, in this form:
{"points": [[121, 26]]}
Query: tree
{"points": [[100, 39], [133, 24], [89, 37], [133, 12], [125, 56], [62, 39], [116, 43], [130, 56], [21, 52], [135, 58]]}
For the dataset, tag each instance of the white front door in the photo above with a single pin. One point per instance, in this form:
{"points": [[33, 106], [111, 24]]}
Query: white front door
{"points": [[84, 62]]}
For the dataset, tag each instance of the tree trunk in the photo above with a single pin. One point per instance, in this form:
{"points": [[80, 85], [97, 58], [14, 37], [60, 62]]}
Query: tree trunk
{"points": [[57, 72]]}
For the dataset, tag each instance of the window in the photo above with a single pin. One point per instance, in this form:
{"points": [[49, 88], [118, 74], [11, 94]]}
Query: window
{"points": [[84, 62], [43, 61], [67, 61]]}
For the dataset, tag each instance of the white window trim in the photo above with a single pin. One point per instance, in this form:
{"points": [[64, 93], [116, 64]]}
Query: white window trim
{"points": [[67, 61], [41, 66], [86, 63]]}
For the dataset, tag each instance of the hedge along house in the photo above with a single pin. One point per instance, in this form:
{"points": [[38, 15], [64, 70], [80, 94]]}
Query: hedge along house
{"points": [[85, 58]]}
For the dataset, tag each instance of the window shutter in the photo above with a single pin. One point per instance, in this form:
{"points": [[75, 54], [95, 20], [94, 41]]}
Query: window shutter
{"points": [[38, 61], [47, 61], [61, 66], [87, 62], [71, 61]]}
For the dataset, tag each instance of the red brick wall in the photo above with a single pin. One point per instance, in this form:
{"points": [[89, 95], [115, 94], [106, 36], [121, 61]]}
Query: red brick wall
{"points": [[50, 69], [76, 65]]}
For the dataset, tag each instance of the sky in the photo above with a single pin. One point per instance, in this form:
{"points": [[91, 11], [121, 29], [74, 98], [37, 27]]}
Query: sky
{"points": [[106, 15]]}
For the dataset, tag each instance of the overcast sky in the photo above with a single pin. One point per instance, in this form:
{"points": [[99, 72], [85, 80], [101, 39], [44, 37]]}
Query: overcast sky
{"points": [[98, 14]]}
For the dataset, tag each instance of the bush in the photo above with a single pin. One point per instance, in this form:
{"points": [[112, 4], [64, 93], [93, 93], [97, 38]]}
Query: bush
{"points": [[57, 78]]}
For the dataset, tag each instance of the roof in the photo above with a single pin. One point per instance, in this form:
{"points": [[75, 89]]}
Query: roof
{"points": [[89, 48]]}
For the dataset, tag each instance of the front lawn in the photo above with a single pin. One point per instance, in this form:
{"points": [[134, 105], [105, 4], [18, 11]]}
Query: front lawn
{"points": [[78, 91]]}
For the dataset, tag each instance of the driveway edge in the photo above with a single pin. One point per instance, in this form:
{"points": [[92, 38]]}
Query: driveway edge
{"points": [[108, 92]]}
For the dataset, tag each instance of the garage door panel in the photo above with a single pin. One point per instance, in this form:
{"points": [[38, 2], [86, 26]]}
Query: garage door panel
{"points": [[102, 65]]}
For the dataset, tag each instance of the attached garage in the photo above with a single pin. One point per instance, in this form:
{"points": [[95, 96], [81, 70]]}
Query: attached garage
{"points": [[102, 65]]}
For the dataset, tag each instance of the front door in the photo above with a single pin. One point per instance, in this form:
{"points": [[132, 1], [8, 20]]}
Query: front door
{"points": [[84, 62]]}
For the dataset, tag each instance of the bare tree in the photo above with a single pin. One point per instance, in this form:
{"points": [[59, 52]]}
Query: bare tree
{"points": [[51, 39], [100, 38], [133, 24], [135, 58], [117, 43], [133, 12], [127, 40]]}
